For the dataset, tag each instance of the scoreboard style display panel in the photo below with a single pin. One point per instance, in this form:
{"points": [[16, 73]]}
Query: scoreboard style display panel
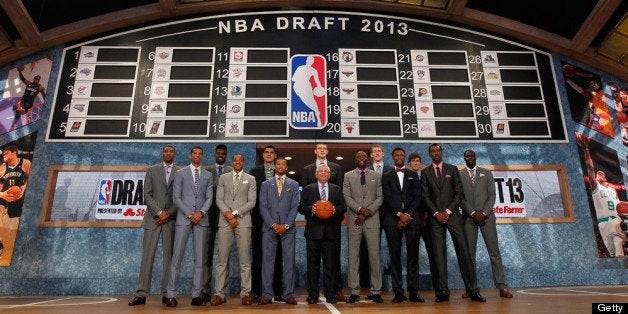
{"points": [[300, 76]]}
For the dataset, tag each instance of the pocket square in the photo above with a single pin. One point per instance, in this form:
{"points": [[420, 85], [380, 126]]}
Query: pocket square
{"points": [[288, 190], [245, 182], [482, 175], [447, 176]]}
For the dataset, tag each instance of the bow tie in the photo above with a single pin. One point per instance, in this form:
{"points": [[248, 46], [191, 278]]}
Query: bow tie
{"points": [[400, 169]]}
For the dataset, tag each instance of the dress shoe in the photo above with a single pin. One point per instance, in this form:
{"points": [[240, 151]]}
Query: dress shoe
{"points": [[291, 300], [312, 300], [198, 301], [137, 301], [264, 301], [172, 302], [441, 297], [164, 300], [465, 295], [341, 297], [416, 298], [218, 301], [279, 298], [377, 298], [246, 300], [504, 293], [399, 298], [476, 296], [353, 298], [207, 297]]}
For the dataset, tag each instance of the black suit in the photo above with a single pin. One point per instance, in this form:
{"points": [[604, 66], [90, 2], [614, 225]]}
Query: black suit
{"points": [[259, 173], [322, 238], [440, 194], [406, 200]]}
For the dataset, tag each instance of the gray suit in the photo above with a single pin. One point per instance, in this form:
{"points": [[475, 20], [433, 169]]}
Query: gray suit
{"points": [[480, 197], [213, 228], [157, 197], [188, 202], [229, 198], [368, 196], [282, 210]]}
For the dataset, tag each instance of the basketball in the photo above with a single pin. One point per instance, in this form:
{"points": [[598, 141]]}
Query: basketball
{"points": [[569, 71], [319, 91], [622, 208], [21, 68], [324, 209]]}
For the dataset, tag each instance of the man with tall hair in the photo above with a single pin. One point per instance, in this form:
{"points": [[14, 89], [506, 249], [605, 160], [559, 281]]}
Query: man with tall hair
{"points": [[322, 236], [158, 220], [362, 190], [442, 193], [401, 188], [262, 173], [278, 205], [336, 177], [14, 174], [235, 196], [217, 169], [477, 208], [192, 195]]}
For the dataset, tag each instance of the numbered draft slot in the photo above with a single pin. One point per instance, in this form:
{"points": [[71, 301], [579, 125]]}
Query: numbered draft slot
{"points": [[103, 92], [181, 92]]}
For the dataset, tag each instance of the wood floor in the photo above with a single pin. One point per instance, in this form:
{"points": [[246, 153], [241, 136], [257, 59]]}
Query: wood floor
{"points": [[527, 300]]}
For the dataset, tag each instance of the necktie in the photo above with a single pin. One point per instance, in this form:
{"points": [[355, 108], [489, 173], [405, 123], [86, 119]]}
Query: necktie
{"points": [[363, 177], [323, 193], [472, 175], [279, 185], [236, 182], [438, 174], [196, 179], [379, 168], [219, 171], [167, 169], [269, 172]]}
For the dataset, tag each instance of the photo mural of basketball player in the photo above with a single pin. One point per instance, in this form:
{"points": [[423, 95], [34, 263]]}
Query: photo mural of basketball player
{"points": [[587, 101], [619, 94], [309, 92], [14, 173], [606, 193], [24, 94]]}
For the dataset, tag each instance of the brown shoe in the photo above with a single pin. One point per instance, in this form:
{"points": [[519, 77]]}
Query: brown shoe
{"points": [[341, 297], [504, 293], [265, 301], [465, 295], [218, 301], [291, 300], [246, 300]]}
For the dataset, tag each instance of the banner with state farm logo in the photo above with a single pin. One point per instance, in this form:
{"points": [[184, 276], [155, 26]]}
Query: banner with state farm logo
{"points": [[93, 195]]}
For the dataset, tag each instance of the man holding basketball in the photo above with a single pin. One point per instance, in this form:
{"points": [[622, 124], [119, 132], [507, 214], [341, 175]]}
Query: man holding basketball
{"points": [[25, 104], [322, 236]]}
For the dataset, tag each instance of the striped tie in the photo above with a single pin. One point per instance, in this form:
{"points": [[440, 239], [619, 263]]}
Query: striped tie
{"points": [[323, 193], [196, 178]]}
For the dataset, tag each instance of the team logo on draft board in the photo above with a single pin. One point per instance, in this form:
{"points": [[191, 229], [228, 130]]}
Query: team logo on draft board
{"points": [[76, 126], [309, 92], [104, 197]]}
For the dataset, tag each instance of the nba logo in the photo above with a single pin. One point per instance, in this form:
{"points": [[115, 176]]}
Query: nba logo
{"points": [[308, 103], [104, 197]]}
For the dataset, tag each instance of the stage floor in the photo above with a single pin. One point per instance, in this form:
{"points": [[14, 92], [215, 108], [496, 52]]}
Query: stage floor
{"points": [[527, 300]]}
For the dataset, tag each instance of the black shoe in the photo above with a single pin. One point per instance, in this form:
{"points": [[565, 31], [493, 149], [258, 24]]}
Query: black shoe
{"points": [[377, 298], [477, 297], [198, 301], [399, 298], [441, 297], [353, 298], [332, 300], [137, 301], [279, 298], [172, 302], [416, 298], [164, 300], [312, 300], [255, 298], [206, 297]]}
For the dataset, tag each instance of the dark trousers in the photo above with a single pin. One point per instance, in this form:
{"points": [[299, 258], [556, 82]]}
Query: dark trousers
{"points": [[327, 250], [394, 238]]}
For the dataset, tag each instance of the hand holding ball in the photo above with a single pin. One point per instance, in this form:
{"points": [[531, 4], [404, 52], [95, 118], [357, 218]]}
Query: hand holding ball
{"points": [[324, 209]]}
